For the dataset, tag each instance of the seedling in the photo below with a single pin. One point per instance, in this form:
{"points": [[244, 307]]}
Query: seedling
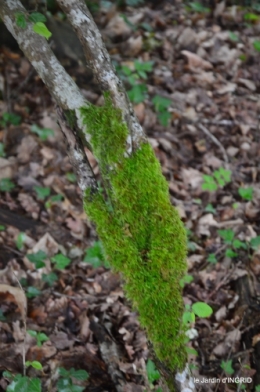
{"points": [[95, 256], [10, 118], [210, 208], [190, 244], [186, 280], [227, 367], [20, 240], [60, 261], [32, 292], [228, 237], [161, 105], [255, 243], [42, 192], [22, 383], [71, 177], [219, 179], [246, 193], [212, 258], [140, 71], [50, 278], [257, 388], [6, 185], [200, 309], [2, 227], [37, 258], [65, 383], [2, 150], [234, 37], [251, 17], [43, 133], [256, 45], [53, 200], [39, 336], [152, 373], [197, 7]]}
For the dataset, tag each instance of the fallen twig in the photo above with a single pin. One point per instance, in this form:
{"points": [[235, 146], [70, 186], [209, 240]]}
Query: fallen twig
{"points": [[215, 140]]}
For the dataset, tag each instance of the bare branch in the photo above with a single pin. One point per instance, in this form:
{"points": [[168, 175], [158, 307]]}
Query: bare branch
{"points": [[62, 87], [76, 153], [99, 61]]}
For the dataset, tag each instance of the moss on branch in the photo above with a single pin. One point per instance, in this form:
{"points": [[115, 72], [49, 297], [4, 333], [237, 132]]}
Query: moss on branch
{"points": [[142, 233]]}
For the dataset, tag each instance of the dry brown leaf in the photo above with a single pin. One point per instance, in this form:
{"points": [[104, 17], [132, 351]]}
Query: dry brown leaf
{"points": [[194, 61], [18, 296]]}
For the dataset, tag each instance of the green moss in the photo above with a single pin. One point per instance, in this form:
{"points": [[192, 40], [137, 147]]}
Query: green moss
{"points": [[142, 233]]}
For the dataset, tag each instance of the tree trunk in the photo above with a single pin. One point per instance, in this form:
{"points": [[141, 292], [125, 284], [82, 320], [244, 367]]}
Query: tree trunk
{"points": [[142, 233]]}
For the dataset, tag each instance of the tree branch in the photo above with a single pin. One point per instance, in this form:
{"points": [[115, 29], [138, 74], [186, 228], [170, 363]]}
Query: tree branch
{"points": [[100, 63]]}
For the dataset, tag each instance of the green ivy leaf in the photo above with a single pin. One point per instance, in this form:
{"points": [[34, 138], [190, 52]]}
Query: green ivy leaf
{"points": [[212, 258], [186, 280], [227, 367], [50, 278], [60, 261], [41, 29], [237, 244], [37, 258], [201, 309], [246, 193], [138, 93], [227, 235], [255, 242], [161, 103], [152, 372], [81, 375], [32, 292], [42, 192], [20, 20], [43, 133], [230, 253], [6, 185], [37, 17]]}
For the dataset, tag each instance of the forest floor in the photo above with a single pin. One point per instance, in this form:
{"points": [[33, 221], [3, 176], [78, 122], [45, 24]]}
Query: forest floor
{"points": [[193, 77]]}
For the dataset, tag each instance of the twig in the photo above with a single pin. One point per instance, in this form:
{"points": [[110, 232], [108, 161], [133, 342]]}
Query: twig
{"points": [[24, 323], [215, 140], [22, 84]]}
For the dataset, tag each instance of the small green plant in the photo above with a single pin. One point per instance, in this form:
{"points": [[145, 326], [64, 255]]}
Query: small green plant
{"points": [[138, 91], [227, 367], [43, 133], [210, 208], [228, 236], [32, 292], [190, 244], [37, 258], [65, 382], [22, 383], [2, 150], [161, 105], [20, 240], [233, 37], [186, 280], [10, 118], [71, 177], [219, 178], [200, 309], [255, 243], [95, 256], [152, 373], [251, 17], [246, 193], [256, 45], [53, 200], [38, 21], [50, 278], [257, 388], [60, 261], [6, 185], [197, 7], [212, 258], [2, 227], [39, 336], [42, 192]]}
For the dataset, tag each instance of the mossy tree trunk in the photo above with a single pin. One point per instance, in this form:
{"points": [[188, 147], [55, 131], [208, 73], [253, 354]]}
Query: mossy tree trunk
{"points": [[142, 233]]}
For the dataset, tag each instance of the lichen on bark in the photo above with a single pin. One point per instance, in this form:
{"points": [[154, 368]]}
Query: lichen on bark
{"points": [[141, 231]]}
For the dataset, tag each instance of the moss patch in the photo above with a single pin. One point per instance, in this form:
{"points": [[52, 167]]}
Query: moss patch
{"points": [[142, 233]]}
